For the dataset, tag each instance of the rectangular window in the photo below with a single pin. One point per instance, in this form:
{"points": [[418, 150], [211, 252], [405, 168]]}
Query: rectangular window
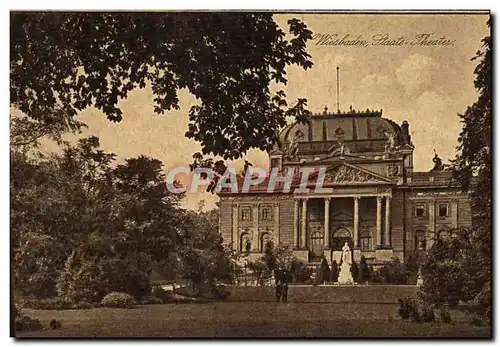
{"points": [[420, 210], [443, 210], [266, 213], [246, 214]]}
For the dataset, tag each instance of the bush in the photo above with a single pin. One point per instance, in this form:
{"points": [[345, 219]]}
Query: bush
{"points": [[409, 309], [151, 300], [162, 294], [428, 314], [334, 272], [88, 276], [220, 292], [393, 272], [57, 303], [325, 272], [26, 323], [445, 315], [301, 273], [121, 300], [363, 271]]}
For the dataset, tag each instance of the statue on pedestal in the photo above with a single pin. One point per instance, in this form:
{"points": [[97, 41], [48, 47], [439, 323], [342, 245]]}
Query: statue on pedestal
{"points": [[345, 276]]}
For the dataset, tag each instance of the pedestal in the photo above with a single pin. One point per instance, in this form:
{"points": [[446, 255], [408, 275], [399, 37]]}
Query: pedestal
{"points": [[356, 254], [337, 256], [301, 254], [383, 254]]}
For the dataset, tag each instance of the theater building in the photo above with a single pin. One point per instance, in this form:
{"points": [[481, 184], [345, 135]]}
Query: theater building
{"points": [[375, 201]]}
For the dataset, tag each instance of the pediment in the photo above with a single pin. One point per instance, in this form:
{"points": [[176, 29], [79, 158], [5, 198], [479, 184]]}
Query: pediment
{"points": [[342, 174], [342, 216]]}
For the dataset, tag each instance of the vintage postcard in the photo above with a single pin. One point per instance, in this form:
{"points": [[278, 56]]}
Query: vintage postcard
{"points": [[250, 174]]}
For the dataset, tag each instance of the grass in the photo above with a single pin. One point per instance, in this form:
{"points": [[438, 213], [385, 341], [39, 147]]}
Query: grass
{"points": [[249, 319]]}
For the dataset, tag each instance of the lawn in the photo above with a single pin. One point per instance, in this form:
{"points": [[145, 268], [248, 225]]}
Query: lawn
{"points": [[249, 319]]}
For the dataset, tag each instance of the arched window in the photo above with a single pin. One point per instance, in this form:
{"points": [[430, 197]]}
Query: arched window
{"points": [[420, 241], [245, 242], [367, 240], [265, 241], [340, 237]]}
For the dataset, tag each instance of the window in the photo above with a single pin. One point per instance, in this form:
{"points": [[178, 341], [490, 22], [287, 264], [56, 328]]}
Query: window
{"points": [[443, 210], [266, 213], [419, 210], [246, 214], [275, 163], [245, 243], [420, 241], [367, 240]]}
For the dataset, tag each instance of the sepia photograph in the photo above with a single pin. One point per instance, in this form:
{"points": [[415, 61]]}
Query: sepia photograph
{"points": [[250, 174]]}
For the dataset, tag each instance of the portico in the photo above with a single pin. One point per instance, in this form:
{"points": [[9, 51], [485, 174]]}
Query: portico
{"points": [[345, 224]]}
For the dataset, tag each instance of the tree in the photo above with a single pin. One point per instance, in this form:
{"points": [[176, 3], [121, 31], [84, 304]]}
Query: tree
{"points": [[325, 273], [448, 270], [117, 221], [364, 271], [335, 271], [63, 62], [205, 259], [472, 168]]}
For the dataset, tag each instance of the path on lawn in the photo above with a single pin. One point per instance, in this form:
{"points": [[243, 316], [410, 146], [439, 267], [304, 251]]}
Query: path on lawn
{"points": [[245, 319]]}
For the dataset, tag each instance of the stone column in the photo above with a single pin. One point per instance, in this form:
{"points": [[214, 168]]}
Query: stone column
{"points": [[296, 224], [236, 240], [276, 232], [255, 236], [326, 240], [454, 214], [379, 221], [432, 224], [356, 221], [303, 230], [387, 228]]}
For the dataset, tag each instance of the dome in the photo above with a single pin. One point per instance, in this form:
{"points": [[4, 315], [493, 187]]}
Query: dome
{"points": [[349, 126]]}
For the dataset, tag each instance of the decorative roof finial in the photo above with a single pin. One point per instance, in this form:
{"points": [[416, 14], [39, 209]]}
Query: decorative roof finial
{"points": [[326, 110]]}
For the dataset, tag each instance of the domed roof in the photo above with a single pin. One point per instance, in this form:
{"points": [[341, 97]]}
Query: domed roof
{"points": [[349, 126]]}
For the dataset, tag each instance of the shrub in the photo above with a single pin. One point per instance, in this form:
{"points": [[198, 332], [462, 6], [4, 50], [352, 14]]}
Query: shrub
{"points": [[354, 270], [89, 276], [477, 321], [121, 300], [325, 272], [26, 323], [301, 273], [428, 314], [393, 272], [162, 294], [334, 272], [151, 300], [363, 271], [220, 292], [57, 303], [409, 309], [445, 315]]}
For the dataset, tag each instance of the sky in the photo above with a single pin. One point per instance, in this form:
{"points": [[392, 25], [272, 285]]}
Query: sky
{"points": [[427, 85]]}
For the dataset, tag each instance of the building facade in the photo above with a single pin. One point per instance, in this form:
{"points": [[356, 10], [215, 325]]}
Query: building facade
{"points": [[373, 200]]}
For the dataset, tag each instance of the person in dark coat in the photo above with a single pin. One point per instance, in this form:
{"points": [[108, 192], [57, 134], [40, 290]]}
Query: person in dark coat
{"points": [[284, 290]]}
